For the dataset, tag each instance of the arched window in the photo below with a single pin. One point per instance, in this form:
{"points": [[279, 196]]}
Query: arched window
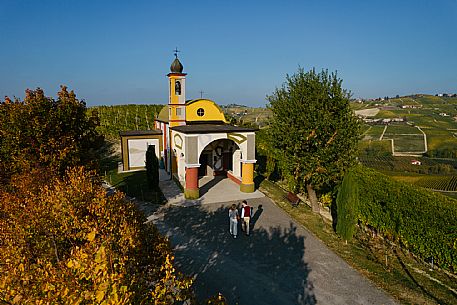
{"points": [[178, 87]]}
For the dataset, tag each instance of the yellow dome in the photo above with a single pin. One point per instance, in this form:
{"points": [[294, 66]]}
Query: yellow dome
{"points": [[203, 110], [163, 114], [197, 111]]}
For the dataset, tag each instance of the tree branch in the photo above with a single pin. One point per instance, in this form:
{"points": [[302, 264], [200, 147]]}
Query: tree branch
{"points": [[55, 249]]}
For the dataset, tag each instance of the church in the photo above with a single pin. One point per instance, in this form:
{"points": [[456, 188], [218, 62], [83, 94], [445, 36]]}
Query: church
{"points": [[193, 139]]}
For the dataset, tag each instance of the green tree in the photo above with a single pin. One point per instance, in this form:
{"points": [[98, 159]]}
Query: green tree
{"points": [[313, 132], [266, 164], [152, 168], [347, 203], [230, 119], [41, 131]]}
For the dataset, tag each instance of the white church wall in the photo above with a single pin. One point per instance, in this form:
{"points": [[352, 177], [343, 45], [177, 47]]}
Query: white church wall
{"points": [[179, 148], [205, 139], [237, 163]]}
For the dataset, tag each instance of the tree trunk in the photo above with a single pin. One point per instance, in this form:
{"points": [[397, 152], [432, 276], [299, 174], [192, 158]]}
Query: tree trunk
{"points": [[313, 198]]}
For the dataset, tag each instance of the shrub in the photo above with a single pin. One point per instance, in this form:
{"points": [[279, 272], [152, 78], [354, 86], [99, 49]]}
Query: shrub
{"points": [[41, 131], [152, 168], [326, 199], [422, 221], [76, 245], [347, 204]]}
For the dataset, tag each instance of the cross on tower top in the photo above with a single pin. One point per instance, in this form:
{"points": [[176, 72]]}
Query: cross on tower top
{"points": [[201, 93], [176, 52]]}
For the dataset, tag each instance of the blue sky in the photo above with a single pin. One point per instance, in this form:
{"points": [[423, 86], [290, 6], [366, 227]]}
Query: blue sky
{"points": [[118, 52]]}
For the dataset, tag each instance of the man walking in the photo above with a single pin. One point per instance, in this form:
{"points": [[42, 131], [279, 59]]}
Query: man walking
{"points": [[246, 212]]}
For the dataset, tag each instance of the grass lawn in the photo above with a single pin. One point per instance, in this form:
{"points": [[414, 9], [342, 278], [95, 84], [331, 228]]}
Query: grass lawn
{"points": [[450, 100], [397, 272], [365, 128], [394, 129], [375, 148], [134, 184], [409, 143], [406, 138], [412, 141], [422, 120], [408, 101], [356, 106], [452, 195], [440, 139], [374, 132], [411, 178], [387, 114], [430, 100]]}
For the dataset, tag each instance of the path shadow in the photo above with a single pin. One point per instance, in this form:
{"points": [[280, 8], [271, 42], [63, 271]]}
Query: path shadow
{"points": [[265, 268], [205, 188]]}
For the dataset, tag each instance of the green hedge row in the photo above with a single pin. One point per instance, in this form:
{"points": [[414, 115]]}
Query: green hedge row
{"points": [[420, 220]]}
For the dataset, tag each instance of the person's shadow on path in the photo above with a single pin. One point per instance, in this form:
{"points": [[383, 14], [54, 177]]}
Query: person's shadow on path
{"points": [[264, 268], [256, 216]]}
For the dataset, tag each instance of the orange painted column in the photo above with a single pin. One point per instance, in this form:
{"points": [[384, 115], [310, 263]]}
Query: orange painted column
{"points": [[191, 190]]}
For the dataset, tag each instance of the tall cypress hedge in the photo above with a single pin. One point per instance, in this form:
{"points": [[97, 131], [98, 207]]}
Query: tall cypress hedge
{"points": [[422, 221], [347, 203], [152, 168]]}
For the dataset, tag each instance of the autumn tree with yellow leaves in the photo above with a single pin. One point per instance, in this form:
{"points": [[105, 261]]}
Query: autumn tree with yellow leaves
{"points": [[62, 239], [42, 132]]}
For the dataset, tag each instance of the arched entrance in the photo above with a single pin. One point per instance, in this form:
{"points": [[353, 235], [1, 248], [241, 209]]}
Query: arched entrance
{"points": [[218, 158]]}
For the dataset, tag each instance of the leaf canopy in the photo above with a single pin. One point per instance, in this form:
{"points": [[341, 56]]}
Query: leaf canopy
{"points": [[313, 132]]}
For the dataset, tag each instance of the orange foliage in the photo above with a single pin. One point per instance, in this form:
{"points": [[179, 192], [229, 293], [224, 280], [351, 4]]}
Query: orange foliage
{"points": [[40, 131], [65, 241], [62, 239]]}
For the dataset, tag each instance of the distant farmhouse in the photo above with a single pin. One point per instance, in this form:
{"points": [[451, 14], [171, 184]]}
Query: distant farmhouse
{"points": [[446, 94], [383, 121], [416, 162], [367, 115], [411, 106]]}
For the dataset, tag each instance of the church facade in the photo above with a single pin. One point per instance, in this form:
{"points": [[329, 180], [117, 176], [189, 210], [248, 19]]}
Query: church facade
{"points": [[197, 141]]}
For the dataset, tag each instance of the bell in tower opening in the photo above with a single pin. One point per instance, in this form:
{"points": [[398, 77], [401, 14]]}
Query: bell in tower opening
{"points": [[178, 87]]}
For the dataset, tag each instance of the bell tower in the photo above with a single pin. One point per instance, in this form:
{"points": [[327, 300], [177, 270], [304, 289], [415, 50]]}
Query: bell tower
{"points": [[177, 93]]}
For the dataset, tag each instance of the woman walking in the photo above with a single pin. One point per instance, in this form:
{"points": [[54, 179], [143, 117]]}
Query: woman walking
{"points": [[233, 217]]}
